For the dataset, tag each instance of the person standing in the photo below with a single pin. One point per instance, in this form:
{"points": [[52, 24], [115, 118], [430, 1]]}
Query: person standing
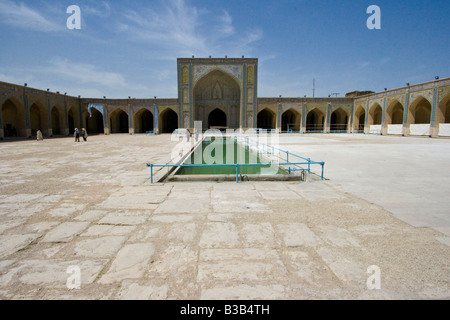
{"points": [[188, 135], [77, 135], [39, 135]]}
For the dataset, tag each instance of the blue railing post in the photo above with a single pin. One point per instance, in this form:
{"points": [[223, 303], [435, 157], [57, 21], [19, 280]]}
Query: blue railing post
{"points": [[151, 173], [237, 173], [322, 170], [309, 165]]}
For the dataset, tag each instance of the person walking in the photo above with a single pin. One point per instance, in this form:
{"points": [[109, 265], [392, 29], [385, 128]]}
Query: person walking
{"points": [[84, 134], [77, 135], [39, 135]]}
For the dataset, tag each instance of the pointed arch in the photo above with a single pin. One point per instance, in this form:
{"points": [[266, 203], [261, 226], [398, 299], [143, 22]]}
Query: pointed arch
{"points": [[38, 119], [339, 120], [443, 110], [394, 113], [118, 121], [58, 120], [143, 121], [419, 111], [266, 119], [359, 120], [217, 119], [375, 115], [290, 120], [168, 121], [315, 121], [13, 118]]}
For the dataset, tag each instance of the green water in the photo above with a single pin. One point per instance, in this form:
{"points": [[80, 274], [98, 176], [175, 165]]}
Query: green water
{"points": [[225, 151]]}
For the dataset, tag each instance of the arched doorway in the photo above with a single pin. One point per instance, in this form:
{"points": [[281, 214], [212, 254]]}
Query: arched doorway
{"points": [[57, 120], [290, 120], [118, 122], [217, 88], [394, 113], [419, 112], [266, 119], [217, 119], [38, 119], [360, 119], [143, 121], [168, 121], [339, 121], [315, 121], [375, 115], [94, 122], [13, 118]]}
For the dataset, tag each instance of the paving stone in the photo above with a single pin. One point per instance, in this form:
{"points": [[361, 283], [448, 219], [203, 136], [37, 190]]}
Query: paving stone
{"points": [[240, 207], [244, 292], [125, 218], [179, 206], [99, 247], [130, 263], [54, 272], [238, 254], [258, 234], [65, 232], [172, 218], [104, 230], [219, 235], [337, 237], [232, 270], [92, 215], [298, 234], [347, 270], [176, 259], [135, 291], [279, 195], [10, 244], [41, 227]]}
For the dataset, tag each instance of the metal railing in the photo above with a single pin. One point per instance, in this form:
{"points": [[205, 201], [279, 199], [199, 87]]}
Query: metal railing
{"points": [[266, 149], [262, 148]]}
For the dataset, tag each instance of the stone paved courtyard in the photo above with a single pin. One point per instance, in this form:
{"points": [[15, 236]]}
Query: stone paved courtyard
{"points": [[91, 205]]}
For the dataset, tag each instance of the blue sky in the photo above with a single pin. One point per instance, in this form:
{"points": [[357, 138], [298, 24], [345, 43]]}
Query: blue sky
{"points": [[129, 48]]}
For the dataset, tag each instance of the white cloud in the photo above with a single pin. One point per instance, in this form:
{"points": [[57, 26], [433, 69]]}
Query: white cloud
{"points": [[21, 16], [176, 29], [85, 73]]}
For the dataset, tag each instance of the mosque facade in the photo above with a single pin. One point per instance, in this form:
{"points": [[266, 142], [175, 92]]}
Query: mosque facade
{"points": [[222, 93]]}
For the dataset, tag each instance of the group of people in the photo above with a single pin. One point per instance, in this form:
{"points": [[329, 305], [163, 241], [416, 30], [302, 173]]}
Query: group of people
{"points": [[79, 134]]}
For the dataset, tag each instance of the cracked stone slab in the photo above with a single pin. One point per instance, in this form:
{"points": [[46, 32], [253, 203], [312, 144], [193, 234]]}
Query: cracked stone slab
{"points": [[179, 206], [92, 215], [54, 272], [107, 230], [10, 244], [125, 218], [65, 232], [130, 263], [99, 247]]}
